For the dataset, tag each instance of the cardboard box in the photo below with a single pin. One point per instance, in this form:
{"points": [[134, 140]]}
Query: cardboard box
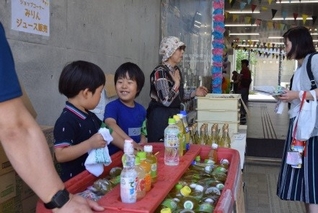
{"points": [[15, 204], [23, 191], [5, 165], [7, 186]]}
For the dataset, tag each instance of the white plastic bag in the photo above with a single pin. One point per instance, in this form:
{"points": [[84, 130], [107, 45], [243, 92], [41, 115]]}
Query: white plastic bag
{"points": [[306, 119]]}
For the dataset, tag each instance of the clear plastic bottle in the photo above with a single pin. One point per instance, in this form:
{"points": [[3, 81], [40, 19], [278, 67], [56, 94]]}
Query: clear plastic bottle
{"points": [[141, 185], [181, 134], [147, 167], [213, 153], [152, 159], [187, 130], [171, 143], [128, 176]]}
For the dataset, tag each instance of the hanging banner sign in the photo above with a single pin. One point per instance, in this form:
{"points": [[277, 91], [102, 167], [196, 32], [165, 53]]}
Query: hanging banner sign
{"points": [[31, 16]]}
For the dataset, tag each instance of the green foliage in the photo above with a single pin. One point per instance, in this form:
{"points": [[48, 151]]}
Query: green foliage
{"points": [[244, 54]]}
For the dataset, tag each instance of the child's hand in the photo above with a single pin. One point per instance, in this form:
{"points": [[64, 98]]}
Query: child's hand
{"points": [[97, 141], [138, 147]]}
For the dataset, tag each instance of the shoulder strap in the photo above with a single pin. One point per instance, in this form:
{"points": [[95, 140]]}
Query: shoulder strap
{"points": [[309, 72]]}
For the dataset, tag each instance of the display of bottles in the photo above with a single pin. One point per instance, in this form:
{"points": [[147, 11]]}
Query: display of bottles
{"points": [[152, 159], [141, 183], [181, 134], [171, 143], [213, 153], [147, 168], [184, 119], [225, 140], [128, 176]]}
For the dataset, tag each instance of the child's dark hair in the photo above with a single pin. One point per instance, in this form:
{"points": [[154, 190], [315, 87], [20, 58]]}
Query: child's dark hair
{"points": [[80, 75], [134, 73]]}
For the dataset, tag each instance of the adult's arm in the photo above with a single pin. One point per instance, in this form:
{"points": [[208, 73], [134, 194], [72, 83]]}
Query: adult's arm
{"points": [[28, 152]]}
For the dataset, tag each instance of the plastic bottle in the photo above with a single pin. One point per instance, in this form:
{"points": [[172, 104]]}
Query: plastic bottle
{"points": [[152, 159], [130, 148], [225, 140], [171, 143], [128, 176], [147, 167], [187, 201], [213, 153], [168, 203], [141, 185], [214, 134], [187, 129], [181, 134]]}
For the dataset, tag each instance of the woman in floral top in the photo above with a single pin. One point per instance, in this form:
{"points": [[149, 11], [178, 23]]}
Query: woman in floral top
{"points": [[166, 90]]}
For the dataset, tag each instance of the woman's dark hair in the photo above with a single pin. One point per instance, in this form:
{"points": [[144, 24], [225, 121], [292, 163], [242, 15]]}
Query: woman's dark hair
{"points": [[80, 75], [301, 40], [134, 73]]}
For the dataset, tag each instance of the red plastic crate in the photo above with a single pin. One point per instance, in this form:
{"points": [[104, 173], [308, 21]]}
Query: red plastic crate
{"points": [[167, 178]]}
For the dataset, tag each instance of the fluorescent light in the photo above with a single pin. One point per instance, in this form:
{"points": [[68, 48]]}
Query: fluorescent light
{"points": [[244, 34], [241, 25], [242, 12], [297, 2], [275, 37], [313, 33], [291, 19]]}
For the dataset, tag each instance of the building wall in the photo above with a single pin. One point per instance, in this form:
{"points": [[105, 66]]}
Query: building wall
{"points": [[107, 33]]}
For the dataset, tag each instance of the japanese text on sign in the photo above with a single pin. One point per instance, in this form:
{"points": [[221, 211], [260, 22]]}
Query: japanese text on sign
{"points": [[31, 16]]}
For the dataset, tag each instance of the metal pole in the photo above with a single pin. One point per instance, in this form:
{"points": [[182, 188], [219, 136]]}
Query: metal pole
{"points": [[280, 65]]}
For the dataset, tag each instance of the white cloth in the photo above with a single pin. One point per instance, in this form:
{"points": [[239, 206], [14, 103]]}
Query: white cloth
{"points": [[97, 158]]}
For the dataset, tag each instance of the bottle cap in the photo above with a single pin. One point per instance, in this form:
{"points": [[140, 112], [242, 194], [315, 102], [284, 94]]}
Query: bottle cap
{"points": [[180, 116], [148, 148], [171, 121], [176, 118], [185, 191], [199, 188], [128, 146], [193, 185], [214, 146], [209, 200], [165, 210], [224, 161], [142, 155], [137, 160], [178, 186], [220, 186], [183, 112]]}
